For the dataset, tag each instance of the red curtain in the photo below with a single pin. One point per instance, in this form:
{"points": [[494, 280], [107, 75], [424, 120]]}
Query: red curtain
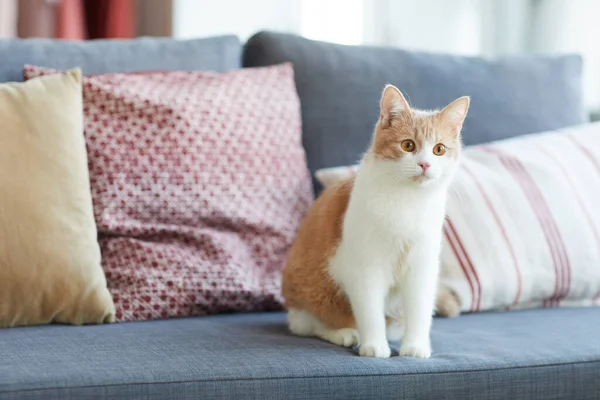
{"points": [[69, 20], [110, 19], [8, 18], [93, 19]]}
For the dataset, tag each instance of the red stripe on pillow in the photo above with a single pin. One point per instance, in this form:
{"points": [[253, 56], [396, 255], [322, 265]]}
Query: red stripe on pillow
{"points": [[511, 250], [459, 258], [465, 264], [565, 282], [540, 208], [545, 218], [578, 196]]}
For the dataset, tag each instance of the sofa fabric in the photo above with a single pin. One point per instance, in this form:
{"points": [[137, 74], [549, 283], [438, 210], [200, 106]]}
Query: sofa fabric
{"points": [[100, 56], [520, 355], [340, 86]]}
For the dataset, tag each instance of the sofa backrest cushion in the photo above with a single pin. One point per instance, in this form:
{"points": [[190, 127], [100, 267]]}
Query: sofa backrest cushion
{"points": [[101, 56], [340, 86]]}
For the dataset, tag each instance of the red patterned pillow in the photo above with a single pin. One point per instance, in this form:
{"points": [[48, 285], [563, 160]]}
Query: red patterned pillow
{"points": [[199, 182]]}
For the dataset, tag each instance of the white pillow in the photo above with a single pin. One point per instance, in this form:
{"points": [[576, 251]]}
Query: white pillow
{"points": [[523, 228]]}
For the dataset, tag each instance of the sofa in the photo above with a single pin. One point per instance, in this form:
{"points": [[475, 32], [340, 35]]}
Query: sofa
{"points": [[548, 353]]}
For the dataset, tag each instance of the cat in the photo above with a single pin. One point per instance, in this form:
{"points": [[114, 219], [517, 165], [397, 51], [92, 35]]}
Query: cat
{"points": [[371, 244]]}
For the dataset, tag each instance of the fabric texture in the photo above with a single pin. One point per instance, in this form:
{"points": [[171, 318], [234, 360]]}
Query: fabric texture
{"points": [[199, 182], [340, 87], [521, 230], [49, 256], [519, 355], [99, 56]]}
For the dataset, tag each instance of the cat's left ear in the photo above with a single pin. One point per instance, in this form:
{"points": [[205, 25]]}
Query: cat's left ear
{"points": [[454, 114], [392, 103]]}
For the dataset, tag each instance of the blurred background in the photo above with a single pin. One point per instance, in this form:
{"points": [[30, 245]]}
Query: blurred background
{"points": [[473, 27]]}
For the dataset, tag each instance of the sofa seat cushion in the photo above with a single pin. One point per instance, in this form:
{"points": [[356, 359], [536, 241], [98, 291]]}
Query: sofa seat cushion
{"points": [[548, 353]]}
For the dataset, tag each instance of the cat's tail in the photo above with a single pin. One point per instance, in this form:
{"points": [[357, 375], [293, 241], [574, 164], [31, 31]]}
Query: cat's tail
{"points": [[447, 303]]}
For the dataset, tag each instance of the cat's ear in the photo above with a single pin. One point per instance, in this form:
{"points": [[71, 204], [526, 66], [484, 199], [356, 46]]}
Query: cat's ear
{"points": [[454, 114], [392, 103]]}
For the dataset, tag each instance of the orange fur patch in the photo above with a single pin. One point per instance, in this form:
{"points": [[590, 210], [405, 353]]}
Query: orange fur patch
{"points": [[307, 284], [418, 126]]}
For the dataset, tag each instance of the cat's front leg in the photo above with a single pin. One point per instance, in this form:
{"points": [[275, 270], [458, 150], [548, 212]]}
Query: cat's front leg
{"points": [[367, 298], [418, 285]]}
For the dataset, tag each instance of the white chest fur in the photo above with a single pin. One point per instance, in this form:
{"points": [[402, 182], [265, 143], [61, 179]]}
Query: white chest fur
{"points": [[389, 254], [386, 224]]}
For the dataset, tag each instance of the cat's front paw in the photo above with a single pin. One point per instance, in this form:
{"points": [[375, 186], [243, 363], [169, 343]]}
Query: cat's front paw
{"points": [[379, 350], [413, 349]]}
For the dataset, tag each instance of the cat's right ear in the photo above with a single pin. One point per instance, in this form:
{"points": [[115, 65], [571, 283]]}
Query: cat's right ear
{"points": [[392, 103]]}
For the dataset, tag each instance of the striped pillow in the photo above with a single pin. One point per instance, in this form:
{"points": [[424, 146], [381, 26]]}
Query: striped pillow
{"points": [[523, 228]]}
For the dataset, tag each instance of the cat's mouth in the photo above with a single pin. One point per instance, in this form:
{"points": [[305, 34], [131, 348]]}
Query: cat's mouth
{"points": [[423, 178]]}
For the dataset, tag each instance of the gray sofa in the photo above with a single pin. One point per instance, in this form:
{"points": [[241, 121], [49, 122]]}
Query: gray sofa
{"points": [[533, 354]]}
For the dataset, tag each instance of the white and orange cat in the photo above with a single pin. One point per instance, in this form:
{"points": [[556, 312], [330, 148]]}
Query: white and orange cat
{"points": [[364, 267]]}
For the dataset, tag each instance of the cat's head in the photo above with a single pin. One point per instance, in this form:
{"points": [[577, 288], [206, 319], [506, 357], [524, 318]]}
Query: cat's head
{"points": [[415, 146]]}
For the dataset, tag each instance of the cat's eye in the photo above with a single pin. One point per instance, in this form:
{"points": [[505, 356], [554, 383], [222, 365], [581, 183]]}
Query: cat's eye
{"points": [[439, 149], [408, 145]]}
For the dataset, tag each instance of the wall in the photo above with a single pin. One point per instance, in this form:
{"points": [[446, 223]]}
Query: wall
{"points": [[200, 18]]}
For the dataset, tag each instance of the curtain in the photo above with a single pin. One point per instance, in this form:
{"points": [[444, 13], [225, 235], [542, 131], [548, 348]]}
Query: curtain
{"points": [[154, 17], [36, 18], [75, 19], [568, 26], [110, 19], [69, 20], [8, 18]]}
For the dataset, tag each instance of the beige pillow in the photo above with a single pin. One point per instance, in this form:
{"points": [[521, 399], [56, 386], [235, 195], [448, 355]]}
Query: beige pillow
{"points": [[49, 255]]}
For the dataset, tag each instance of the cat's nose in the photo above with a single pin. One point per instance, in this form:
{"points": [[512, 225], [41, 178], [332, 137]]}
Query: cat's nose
{"points": [[424, 165]]}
